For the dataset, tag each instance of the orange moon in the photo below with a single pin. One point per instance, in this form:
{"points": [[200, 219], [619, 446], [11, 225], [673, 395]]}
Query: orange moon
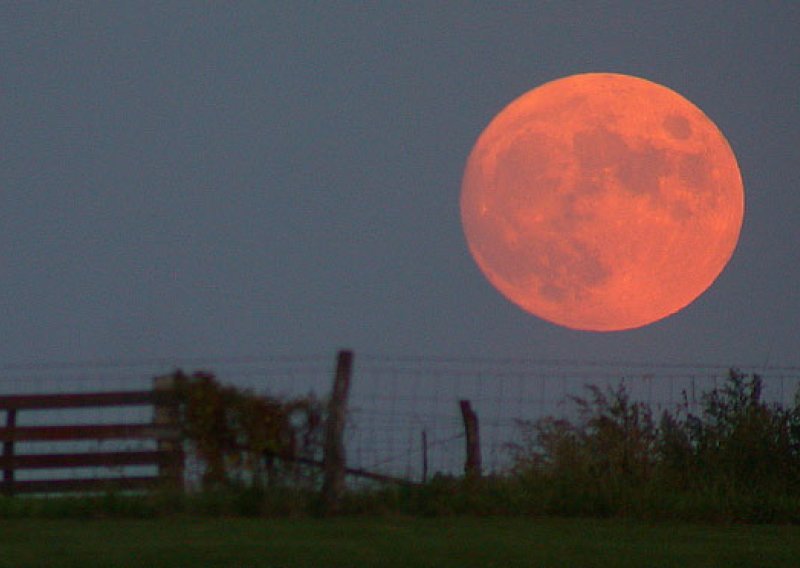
{"points": [[602, 202]]}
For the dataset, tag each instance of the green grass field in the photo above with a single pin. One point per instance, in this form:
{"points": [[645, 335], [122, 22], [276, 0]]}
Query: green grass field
{"points": [[389, 542]]}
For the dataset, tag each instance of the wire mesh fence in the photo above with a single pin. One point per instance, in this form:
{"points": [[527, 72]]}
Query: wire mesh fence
{"points": [[395, 400], [403, 418]]}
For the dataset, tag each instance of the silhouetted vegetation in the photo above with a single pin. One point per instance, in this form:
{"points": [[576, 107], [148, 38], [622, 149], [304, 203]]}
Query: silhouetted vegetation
{"points": [[245, 439], [738, 458], [735, 458]]}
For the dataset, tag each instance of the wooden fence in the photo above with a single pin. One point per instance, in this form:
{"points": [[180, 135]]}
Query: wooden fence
{"points": [[167, 457]]}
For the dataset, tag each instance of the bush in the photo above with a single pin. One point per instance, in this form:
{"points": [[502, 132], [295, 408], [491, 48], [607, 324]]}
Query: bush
{"points": [[738, 459], [246, 439], [613, 442], [739, 442]]}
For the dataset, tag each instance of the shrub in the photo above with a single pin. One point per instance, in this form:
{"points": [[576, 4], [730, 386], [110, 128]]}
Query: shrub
{"points": [[740, 442], [613, 439], [738, 458], [243, 438]]}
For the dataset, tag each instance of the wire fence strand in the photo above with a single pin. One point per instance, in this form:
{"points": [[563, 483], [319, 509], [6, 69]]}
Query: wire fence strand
{"points": [[394, 399]]}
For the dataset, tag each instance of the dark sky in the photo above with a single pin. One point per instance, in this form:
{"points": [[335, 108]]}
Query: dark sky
{"points": [[184, 179]]}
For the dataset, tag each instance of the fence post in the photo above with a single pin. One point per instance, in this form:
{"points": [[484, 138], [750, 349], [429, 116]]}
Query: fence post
{"points": [[166, 418], [424, 456], [8, 453], [472, 465], [334, 458]]}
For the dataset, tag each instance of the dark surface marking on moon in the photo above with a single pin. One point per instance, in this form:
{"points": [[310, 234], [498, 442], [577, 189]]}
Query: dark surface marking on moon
{"points": [[600, 151], [598, 148], [641, 170], [572, 268], [677, 126], [694, 170], [522, 174], [563, 265]]}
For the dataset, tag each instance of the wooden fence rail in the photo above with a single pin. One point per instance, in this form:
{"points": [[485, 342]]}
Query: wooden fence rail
{"points": [[167, 457]]}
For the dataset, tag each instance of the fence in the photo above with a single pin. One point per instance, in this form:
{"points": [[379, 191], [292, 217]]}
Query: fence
{"points": [[164, 429], [404, 416], [167, 456], [407, 421]]}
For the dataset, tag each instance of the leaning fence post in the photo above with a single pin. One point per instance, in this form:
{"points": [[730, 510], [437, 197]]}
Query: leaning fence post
{"points": [[472, 465], [334, 458], [166, 421], [8, 452]]}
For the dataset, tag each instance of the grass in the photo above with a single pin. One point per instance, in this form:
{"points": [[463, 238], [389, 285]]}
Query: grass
{"points": [[650, 497], [388, 542]]}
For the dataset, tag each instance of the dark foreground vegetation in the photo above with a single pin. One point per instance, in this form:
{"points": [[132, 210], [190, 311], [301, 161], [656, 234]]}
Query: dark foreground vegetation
{"points": [[736, 459], [389, 542]]}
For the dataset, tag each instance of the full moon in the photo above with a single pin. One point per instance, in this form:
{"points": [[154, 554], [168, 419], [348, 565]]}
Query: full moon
{"points": [[602, 202]]}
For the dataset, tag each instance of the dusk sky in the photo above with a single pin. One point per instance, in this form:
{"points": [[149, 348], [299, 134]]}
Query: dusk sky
{"points": [[190, 179]]}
